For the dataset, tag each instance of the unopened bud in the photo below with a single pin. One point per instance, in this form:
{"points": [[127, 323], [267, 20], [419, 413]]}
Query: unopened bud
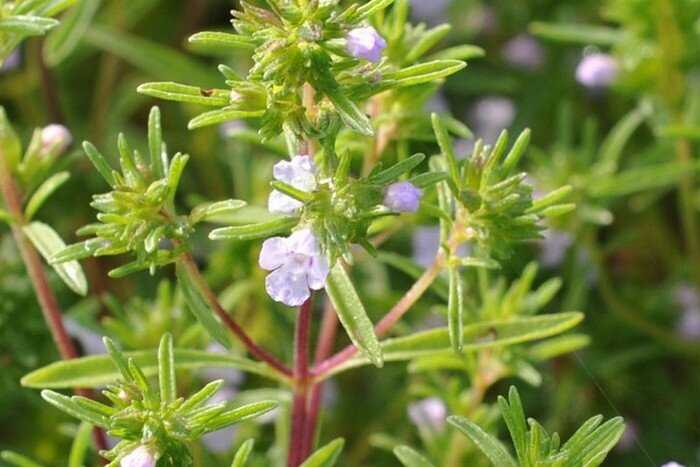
{"points": [[55, 138], [142, 456]]}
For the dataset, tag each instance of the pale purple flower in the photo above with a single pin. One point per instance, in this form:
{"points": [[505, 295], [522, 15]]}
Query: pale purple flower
{"points": [[56, 138], [688, 298], [490, 115], [428, 413], [90, 341], [553, 247], [426, 243], [430, 11], [142, 456], [629, 437], [686, 295], [221, 440], [437, 104], [365, 42], [597, 70], [300, 173], [232, 128], [297, 264], [524, 51], [402, 197], [11, 62]]}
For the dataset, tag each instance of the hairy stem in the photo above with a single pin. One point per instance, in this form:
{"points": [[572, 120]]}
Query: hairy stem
{"points": [[258, 352], [301, 386], [47, 299]]}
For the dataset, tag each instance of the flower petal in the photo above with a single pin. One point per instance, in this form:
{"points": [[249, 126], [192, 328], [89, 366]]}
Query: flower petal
{"points": [[274, 253], [279, 203], [303, 242], [317, 272], [287, 286]]}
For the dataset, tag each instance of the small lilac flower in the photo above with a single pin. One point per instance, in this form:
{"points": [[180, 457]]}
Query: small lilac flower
{"points": [[11, 62], [365, 42], [629, 437], [524, 51], [300, 173], [297, 264], [597, 70], [689, 324], [490, 115], [428, 413], [426, 243], [221, 440], [402, 197], [232, 128], [56, 138], [553, 247], [142, 456], [430, 11]]}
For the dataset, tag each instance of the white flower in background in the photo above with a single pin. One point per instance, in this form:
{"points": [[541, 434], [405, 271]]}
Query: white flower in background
{"points": [[553, 247], [232, 128], [688, 299], [490, 115], [524, 51], [430, 11], [672, 464], [11, 62], [56, 138], [300, 173], [597, 70], [220, 441], [402, 197], [298, 265], [91, 343], [428, 413], [142, 456], [426, 243], [365, 42], [629, 437]]}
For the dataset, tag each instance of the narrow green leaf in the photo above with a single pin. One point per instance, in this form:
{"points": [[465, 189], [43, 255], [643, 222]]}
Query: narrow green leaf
{"points": [[585, 34], [155, 142], [222, 115], [398, 169], [166, 369], [81, 445], [254, 231], [218, 40], [44, 192], [66, 37], [352, 313], [455, 310], [514, 415], [459, 52], [69, 406], [477, 336], [100, 163], [26, 25], [327, 456], [488, 444], [516, 152], [199, 308], [349, 112], [243, 453], [239, 414], [409, 457], [446, 148], [17, 460], [427, 41], [177, 92], [425, 72], [48, 243], [98, 370], [218, 208], [371, 7]]}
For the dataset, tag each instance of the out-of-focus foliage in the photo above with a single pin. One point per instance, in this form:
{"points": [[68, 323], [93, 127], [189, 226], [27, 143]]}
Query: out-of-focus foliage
{"points": [[628, 255]]}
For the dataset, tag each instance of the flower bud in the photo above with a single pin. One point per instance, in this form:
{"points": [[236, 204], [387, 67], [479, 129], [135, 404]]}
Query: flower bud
{"points": [[142, 456], [55, 138], [366, 43], [597, 70], [402, 197]]}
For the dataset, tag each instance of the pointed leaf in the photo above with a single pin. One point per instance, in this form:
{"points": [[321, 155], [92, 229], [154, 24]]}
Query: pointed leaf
{"points": [[61, 42], [166, 369], [243, 453], [326, 456], [488, 444], [352, 313], [44, 192], [409, 457]]}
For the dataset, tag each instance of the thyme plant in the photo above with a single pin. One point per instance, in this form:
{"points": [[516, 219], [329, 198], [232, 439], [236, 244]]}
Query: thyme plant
{"points": [[338, 86]]}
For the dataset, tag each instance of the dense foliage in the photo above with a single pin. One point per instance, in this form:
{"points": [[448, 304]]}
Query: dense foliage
{"points": [[339, 232]]}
